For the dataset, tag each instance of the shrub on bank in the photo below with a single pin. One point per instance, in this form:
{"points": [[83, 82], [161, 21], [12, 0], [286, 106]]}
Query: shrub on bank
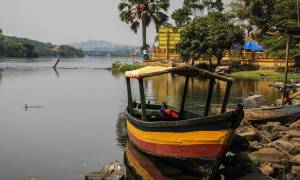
{"points": [[123, 67]]}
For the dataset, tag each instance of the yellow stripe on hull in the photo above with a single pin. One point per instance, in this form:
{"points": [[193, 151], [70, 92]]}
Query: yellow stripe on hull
{"points": [[181, 138]]}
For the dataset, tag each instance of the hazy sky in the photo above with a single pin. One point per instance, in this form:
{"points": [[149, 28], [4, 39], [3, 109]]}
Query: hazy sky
{"points": [[66, 21]]}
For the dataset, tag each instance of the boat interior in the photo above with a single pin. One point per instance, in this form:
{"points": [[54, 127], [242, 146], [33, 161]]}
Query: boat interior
{"points": [[156, 112], [146, 111]]}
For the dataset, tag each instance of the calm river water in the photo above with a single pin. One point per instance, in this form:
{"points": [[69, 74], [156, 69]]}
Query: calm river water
{"points": [[74, 128]]}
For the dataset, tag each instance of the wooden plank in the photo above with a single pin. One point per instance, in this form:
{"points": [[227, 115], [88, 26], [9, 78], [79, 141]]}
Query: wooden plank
{"points": [[184, 96], [226, 97], [129, 95], [209, 96]]}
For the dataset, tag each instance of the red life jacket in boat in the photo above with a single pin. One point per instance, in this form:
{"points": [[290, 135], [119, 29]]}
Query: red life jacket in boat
{"points": [[171, 113]]}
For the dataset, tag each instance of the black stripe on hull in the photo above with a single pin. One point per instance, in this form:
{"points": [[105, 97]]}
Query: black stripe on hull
{"points": [[212, 123]]}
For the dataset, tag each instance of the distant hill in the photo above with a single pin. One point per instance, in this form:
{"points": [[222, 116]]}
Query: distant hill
{"points": [[104, 46]]}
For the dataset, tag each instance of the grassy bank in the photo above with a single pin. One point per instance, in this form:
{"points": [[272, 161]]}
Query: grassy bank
{"points": [[119, 67], [266, 74]]}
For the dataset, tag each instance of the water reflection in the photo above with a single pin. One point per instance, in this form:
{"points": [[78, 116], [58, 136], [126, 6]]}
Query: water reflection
{"points": [[56, 73], [121, 131], [169, 88], [1, 71], [143, 166]]}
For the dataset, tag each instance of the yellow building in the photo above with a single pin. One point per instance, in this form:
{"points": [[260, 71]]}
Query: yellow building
{"points": [[168, 38]]}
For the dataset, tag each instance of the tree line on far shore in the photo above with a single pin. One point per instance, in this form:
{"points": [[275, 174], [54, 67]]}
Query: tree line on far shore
{"points": [[27, 48]]}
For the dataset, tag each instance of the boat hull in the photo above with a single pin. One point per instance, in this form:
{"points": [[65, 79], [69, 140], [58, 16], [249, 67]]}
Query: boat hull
{"points": [[183, 140]]}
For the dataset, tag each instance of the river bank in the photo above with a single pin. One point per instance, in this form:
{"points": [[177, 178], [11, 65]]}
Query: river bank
{"points": [[238, 72], [265, 74]]}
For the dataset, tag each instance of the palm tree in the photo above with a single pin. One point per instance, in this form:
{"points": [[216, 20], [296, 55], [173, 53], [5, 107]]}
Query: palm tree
{"points": [[133, 12]]}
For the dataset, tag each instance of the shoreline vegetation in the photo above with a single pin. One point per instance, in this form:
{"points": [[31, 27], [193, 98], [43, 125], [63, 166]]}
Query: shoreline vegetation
{"points": [[271, 74], [15, 47], [264, 74], [119, 67]]}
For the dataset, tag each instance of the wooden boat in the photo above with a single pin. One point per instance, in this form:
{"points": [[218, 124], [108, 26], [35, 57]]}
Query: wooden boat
{"points": [[283, 114], [164, 131]]}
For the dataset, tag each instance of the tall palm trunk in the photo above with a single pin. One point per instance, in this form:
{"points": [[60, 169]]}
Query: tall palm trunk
{"points": [[144, 32]]}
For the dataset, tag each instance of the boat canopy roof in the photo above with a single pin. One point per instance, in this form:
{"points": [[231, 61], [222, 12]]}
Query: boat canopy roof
{"points": [[184, 71]]}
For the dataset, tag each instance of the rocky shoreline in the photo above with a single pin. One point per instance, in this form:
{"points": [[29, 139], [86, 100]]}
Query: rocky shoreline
{"points": [[274, 148], [261, 151]]}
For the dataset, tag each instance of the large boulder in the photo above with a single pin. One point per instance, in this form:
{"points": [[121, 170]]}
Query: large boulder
{"points": [[112, 171], [295, 125], [270, 155], [223, 70], [293, 133]]}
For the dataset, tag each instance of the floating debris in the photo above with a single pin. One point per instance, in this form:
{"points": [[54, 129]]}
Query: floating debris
{"points": [[112, 171], [26, 106], [31, 178]]}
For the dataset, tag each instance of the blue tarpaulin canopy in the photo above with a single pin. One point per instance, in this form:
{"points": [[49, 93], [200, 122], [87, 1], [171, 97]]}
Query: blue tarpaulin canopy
{"points": [[249, 45]]}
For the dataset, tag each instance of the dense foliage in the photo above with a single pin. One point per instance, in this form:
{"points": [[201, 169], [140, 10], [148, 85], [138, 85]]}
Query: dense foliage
{"points": [[192, 9], [69, 51], [133, 12], [209, 36], [265, 16], [26, 48], [208, 31]]}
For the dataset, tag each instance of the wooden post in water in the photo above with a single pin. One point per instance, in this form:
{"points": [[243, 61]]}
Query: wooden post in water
{"points": [[209, 95], [58, 60], [285, 95], [129, 94], [142, 96]]}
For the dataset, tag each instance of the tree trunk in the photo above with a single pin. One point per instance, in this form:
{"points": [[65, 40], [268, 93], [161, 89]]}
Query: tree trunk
{"points": [[219, 61], [210, 63], [144, 32]]}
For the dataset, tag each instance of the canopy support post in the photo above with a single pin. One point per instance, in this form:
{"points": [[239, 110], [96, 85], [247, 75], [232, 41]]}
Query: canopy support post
{"points": [[209, 96], [184, 96], [285, 96], [129, 94], [142, 96], [226, 97]]}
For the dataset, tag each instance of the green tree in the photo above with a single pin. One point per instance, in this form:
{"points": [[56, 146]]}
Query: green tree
{"points": [[133, 12], [241, 13], [29, 49], [181, 16], [69, 51], [209, 36], [192, 9], [265, 15], [2, 50]]}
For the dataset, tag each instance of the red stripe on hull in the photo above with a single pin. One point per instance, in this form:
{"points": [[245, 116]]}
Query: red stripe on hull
{"points": [[198, 151]]}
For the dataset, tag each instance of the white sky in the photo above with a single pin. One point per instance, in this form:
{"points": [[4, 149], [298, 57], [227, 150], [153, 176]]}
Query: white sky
{"points": [[67, 21]]}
